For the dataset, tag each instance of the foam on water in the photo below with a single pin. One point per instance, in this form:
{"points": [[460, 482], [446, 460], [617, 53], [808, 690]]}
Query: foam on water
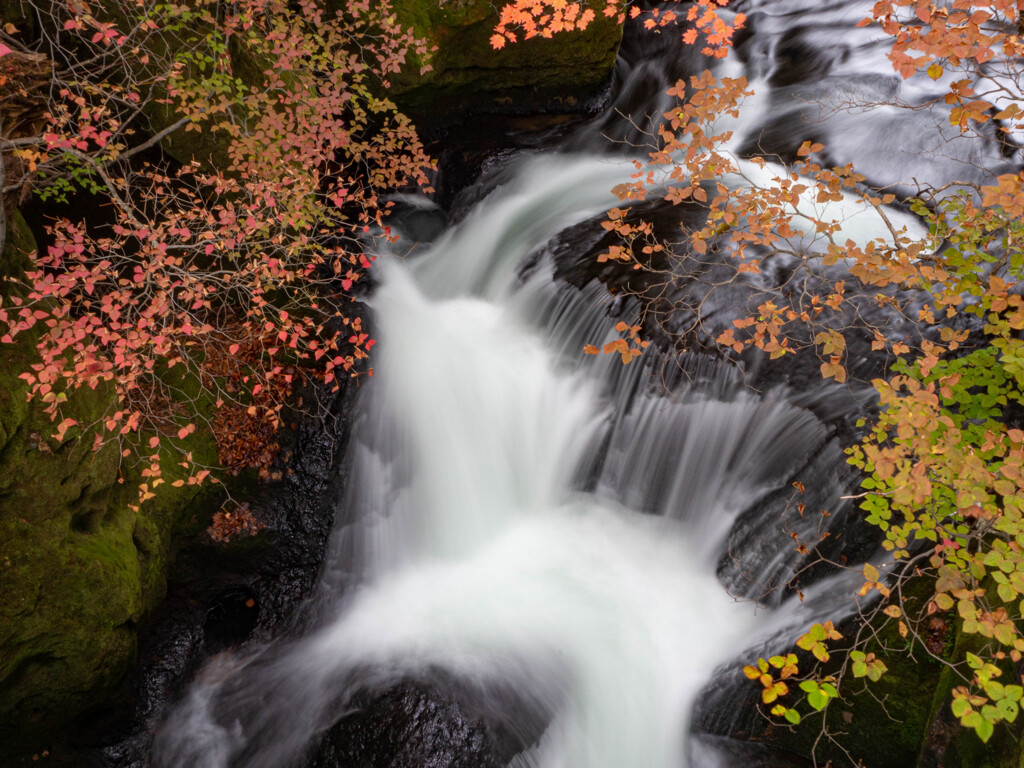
{"points": [[480, 555], [520, 513]]}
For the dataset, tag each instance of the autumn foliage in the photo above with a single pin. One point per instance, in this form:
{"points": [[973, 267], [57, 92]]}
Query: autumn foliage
{"points": [[231, 271], [524, 19], [943, 462]]}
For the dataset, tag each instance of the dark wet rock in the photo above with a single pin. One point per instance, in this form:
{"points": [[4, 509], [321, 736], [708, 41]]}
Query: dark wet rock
{"points": [[225, 595], [410, 725], [417, 220], [749, 754], [437, 723], [231, 618]]}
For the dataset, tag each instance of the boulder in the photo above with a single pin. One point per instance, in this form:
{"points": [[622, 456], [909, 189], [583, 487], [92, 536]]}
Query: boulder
{"points": [[468, 75], [80, 569]]}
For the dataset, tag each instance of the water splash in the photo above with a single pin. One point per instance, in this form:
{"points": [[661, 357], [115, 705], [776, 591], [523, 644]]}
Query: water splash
{"points": [[519, 513]]}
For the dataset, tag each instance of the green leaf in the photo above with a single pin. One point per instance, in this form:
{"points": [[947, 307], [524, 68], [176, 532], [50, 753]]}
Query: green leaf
{"points": [[1004, 633], [1008, 710], [818, 699], [984, 730], [1006, 593], [960, 707]]}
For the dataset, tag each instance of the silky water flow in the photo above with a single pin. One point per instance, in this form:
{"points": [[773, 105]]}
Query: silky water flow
{"points": [[523, 515], [528, 515]]}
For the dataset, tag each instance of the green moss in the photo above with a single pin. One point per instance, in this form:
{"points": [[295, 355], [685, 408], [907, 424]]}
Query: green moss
{"points": [[79, 568], [468, 73], [881, 723], [18, 247], [961, 747], [904, 719], [884, 723], [201, 142]]}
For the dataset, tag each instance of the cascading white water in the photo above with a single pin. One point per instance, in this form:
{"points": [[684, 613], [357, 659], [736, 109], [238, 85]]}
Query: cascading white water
{"points": [[479, 553], [523, 514]]}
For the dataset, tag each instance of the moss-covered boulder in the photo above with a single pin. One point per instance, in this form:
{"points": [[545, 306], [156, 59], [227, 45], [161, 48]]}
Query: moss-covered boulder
{"points": [[904, 719], [468, 75], [80, 569], [947, 744], [883, 723]]}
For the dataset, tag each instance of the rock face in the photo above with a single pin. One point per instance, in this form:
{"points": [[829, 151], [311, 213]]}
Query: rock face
{"points": [[561, 75], [469, 76], [79, 569], [410, 725], [81, 572]]}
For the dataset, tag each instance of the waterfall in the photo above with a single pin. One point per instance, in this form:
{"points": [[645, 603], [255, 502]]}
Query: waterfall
{"points": [[524, 515]]}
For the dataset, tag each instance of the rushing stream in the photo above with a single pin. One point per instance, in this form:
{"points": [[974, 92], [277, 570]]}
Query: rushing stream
{"points": [[525, 517]]}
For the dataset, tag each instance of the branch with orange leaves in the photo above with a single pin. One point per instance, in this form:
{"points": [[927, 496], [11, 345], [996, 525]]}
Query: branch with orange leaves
{"points": [[704, 19]]}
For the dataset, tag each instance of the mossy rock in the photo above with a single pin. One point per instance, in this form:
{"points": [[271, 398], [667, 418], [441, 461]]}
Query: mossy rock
{"points": [[903, 720], [947, 744], [883, 723], [468, 75], [19, 245], [200, 142], [80, 569]]}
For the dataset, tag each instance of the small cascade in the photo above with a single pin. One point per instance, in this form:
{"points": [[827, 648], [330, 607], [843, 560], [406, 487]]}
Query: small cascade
{"points": [[526, 514], [522, 516]]}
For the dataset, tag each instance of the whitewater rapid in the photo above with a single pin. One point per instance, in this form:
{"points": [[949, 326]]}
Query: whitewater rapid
{"points": [[521, 515]]}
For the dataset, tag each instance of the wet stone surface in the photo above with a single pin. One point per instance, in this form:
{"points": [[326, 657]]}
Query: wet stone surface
{"points": [[411, 725]]}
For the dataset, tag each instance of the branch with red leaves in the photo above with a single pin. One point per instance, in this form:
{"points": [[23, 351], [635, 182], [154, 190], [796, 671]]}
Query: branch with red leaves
{"points": [[235, 275]]}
